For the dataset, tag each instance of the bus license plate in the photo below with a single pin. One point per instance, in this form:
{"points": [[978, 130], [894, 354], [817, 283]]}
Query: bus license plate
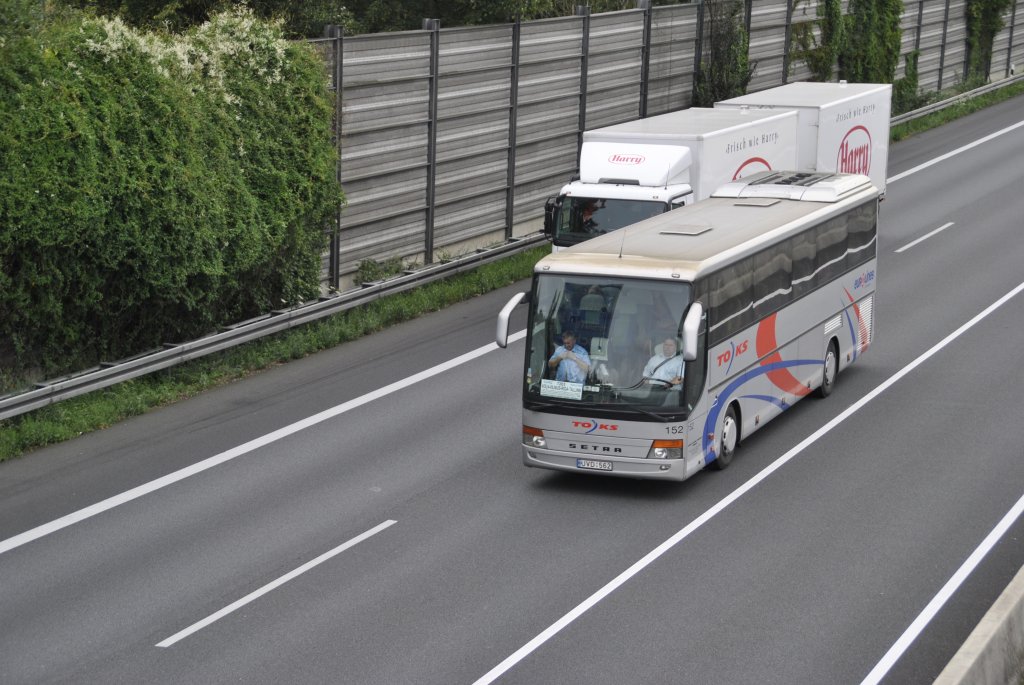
{"points": [[593, 464]]}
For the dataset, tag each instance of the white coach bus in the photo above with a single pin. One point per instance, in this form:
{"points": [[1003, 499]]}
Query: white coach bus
{"points": [[766, 290]]}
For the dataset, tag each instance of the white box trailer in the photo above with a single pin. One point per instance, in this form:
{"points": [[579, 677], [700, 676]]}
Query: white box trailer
{"points": [[637, 169], [842, 126]]}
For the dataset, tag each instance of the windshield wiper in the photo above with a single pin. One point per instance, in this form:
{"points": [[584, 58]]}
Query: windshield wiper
{"points": [[639, 410], [664, 418]]}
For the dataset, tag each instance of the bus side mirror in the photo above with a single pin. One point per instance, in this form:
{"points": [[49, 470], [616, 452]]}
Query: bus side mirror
{"points": [[691, 327], [501, 337], [551, 208]]}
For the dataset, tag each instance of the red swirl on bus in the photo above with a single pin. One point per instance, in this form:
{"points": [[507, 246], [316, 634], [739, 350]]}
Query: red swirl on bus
{"points": [[780, 378]]}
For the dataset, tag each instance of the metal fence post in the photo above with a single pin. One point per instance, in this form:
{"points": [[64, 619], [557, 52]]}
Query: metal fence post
{"points": [[513, 122], [1009, 47], [645, 56], [942, 51], [698, 52], [581, 126], [434, 26], [920, 25], [337, 33], [789, 41]]}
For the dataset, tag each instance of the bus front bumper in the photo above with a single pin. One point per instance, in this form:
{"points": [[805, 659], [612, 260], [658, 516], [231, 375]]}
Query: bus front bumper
{"points": [[622, 467]]}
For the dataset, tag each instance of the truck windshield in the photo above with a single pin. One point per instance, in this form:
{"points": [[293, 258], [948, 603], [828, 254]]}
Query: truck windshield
{"points": [[609, 343], [583, 218]]}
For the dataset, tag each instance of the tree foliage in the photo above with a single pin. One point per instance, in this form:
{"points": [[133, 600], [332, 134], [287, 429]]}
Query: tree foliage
{"points": [[725, 69], [819, 41], [154, 186], [905, 95], [984, 21], [871, 52], [298, 19], [308, 18]]}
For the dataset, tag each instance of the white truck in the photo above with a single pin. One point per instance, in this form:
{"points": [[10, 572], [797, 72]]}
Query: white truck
{"points": [[634, 170], [842, 126]]}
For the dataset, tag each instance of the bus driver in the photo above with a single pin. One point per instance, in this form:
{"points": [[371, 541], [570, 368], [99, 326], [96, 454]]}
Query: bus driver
{"points": [[666, 367]]}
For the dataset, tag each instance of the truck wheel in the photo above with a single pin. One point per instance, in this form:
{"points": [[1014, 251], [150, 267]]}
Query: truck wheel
{"points": [[730, 439]]}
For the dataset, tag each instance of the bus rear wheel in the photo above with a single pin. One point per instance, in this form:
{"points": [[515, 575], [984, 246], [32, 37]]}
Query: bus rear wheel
{"points": [[730, 439], [830, 370]]}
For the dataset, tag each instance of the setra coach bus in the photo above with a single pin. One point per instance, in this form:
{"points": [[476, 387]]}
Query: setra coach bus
{"points": [[653, 351]]}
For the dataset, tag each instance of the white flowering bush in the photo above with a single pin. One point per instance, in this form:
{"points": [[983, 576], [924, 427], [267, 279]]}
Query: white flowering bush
{"points": [[206, 56], [154, 186]]}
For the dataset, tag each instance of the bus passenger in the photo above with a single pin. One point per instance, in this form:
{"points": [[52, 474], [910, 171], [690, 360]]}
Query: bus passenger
{"points": [[571, 360], [665, 366]]}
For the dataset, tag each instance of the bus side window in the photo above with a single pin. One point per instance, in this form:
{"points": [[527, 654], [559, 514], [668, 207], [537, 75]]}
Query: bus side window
{"points": [[732, 300]]}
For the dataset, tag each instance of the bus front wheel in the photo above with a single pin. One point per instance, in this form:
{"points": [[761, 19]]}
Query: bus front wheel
{"points": [[830, 370], [730, 439]]}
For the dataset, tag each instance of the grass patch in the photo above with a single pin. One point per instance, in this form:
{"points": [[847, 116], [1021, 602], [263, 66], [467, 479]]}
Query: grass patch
{"points": [[953, 112], [103, 408]]}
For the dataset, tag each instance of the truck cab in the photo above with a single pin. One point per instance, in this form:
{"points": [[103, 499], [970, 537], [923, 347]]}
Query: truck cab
{"points": [[584, 210]]}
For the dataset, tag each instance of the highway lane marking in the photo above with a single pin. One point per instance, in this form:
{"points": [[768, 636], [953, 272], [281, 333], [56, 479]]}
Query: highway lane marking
{"points": [[697, 523], [235, 452], [951, 586], [291, 575], [953, 153], [925, 237]]}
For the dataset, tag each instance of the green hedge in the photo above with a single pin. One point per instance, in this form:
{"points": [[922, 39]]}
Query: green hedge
{"points": [[153, 186]]}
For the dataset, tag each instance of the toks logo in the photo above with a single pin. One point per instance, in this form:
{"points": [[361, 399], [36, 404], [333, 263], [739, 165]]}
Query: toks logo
{"points": [[855, 152], [631, 160], [752, 166], [591, 425], [734, 351]]}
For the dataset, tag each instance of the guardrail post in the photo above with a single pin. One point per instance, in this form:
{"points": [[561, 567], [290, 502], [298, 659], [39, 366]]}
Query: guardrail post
{"points": [[513, 122], [581, 126], [434, 26]]}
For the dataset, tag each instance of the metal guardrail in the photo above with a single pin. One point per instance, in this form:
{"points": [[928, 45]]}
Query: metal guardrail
{"points": [[107, 374], [955, 100]]}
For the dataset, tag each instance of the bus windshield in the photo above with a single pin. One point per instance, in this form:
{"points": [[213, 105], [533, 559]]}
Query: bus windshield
{"points": [[583, 218], [611, 343]]}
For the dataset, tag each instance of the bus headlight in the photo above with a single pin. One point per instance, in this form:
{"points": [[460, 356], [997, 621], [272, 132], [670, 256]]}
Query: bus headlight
{"points": [[534, 437], [666, 449]]}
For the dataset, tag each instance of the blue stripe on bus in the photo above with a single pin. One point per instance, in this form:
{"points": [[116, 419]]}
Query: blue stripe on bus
{"points": [[724, 397], [781, 403]]}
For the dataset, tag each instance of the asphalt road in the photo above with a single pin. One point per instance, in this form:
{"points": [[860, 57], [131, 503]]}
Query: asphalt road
{"points": [[348, 518]]}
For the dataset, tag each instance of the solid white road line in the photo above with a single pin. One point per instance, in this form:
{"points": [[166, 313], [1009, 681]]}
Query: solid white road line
{"points": [[195, 627], [951, 586], [697, 523], [171, 478], [925, 237], [953, 153]]}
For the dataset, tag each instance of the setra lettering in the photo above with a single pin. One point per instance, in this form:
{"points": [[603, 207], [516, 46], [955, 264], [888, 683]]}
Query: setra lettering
{"points": [[595, 448]]}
